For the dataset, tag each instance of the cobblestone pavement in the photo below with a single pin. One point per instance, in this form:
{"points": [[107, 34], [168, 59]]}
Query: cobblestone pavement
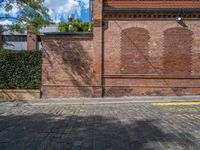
{"points": [[99, 127]]}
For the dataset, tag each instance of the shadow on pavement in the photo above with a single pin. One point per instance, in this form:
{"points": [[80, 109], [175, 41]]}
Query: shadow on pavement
{"points": [[43, 131]]}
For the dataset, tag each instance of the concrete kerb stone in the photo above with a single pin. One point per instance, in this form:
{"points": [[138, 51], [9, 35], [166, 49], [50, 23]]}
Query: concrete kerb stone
{"points": [[91, 101]]}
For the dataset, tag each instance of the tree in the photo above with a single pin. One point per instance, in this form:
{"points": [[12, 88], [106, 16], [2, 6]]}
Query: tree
{"points": [[31, 14], [78, 26]]}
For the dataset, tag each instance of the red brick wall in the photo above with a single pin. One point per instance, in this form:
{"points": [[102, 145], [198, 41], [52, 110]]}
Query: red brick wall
{"points": [[134, 51], [72, 64], [151, 57], [31, 41], [141, 57], [140, 54], [68, 66], [98, 45], [177, 51], [152, 3]]}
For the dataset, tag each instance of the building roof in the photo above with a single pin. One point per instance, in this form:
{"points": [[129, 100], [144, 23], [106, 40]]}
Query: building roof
{"points": [[51, 28]]}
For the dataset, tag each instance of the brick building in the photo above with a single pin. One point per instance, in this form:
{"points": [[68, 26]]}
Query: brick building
{"points": [[139, 47]]}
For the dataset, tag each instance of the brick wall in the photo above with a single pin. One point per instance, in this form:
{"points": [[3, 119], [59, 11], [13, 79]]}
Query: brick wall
{"points": [[152, 3], [98, 45], [72, 63], [128, 54], [31, 41], [133, 60], [151, 57], [69, 66], [126, 58], [177, 54]]}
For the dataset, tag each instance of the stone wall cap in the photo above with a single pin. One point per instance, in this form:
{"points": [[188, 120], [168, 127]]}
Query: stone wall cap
{"points": [[69, 33]]}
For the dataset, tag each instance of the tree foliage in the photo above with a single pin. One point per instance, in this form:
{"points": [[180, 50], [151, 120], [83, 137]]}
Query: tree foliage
{"points": [[30, 14], [78, 26]]}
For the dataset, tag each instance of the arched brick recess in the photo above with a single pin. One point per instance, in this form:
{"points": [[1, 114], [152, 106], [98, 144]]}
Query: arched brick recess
{"points": [[169, 25], [177, 51], [194, 26], [134, 51]]}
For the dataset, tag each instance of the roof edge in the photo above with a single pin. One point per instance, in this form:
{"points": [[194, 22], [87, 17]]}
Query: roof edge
{"points": [[178, 10]]}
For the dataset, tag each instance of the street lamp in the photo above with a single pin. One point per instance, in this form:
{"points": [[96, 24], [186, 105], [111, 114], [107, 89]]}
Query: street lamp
{"points": [[179, 19], [70, 28]]}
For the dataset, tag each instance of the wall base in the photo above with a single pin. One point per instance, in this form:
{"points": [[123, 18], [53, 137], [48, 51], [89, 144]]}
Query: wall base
{"points": [[19, 94]]}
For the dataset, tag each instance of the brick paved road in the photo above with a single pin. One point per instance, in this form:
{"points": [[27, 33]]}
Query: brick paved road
{"points": [[99, 127]]}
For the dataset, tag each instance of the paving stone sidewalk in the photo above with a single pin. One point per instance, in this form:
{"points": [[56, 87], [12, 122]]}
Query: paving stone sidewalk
{"points": [[99, 127]]}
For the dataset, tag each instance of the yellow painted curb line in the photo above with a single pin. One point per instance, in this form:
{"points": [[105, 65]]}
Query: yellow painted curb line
{"points": [[176, 103]]}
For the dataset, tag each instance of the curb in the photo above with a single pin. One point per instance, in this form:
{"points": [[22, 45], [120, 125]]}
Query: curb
{"points": [[96, 101]]}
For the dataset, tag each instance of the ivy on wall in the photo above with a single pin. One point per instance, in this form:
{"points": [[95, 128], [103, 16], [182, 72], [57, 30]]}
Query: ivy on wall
{"points": [[20, 69]]}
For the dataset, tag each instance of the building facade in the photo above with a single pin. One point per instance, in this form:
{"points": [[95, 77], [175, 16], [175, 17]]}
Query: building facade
{"points": [[138, 48], [23, 41]]}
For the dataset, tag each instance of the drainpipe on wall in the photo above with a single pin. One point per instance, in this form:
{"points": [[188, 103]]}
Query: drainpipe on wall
{"points": [[1, 36], [90, 15]]}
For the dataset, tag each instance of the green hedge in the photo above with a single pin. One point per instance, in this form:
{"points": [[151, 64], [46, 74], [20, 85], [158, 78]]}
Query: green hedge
{"points": [[20, 69]]}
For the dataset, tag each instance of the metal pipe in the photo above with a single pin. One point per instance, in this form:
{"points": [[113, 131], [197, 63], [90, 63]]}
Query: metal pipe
{"points": [[90, 15], [1, 36]]}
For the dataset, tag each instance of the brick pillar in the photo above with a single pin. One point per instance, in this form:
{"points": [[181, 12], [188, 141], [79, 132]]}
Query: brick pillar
{"points": [[1, 37], [31, 40], [98, 46]]}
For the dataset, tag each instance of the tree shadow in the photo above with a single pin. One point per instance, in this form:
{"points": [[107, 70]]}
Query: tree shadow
{"points": [[44, 131], [118, 91], [76, 63]]}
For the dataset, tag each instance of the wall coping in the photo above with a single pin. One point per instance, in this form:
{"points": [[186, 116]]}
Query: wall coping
{"points": [[69, 33], [64, 35]]}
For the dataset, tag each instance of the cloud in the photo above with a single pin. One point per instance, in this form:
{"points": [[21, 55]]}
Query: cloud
{"points": [[6, 22], [13, 12], [61, 9], [58, 10]]}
